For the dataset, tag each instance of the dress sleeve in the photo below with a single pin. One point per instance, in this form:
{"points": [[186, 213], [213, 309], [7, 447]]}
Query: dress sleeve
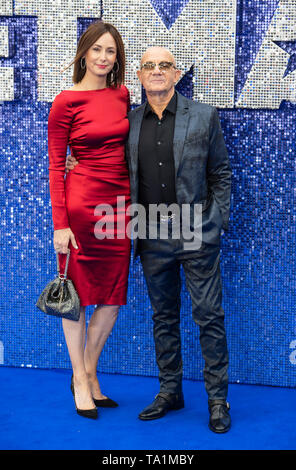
{"points": [[59, 126]]}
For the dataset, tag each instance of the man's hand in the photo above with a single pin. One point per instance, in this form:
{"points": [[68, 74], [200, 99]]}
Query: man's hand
{"points": [[71, 162]]}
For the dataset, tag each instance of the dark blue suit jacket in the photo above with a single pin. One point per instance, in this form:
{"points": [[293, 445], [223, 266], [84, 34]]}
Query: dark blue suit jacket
{"points": [[202, 169]]}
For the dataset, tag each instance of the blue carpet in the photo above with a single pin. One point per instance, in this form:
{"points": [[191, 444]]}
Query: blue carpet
{"points": [[37, 412]]}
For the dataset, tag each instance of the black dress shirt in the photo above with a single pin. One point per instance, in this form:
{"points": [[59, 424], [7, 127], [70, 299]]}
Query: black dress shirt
{"points": [[156, 159]]}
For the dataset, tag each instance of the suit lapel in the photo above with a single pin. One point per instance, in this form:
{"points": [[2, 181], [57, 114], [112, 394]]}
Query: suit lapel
{"points": [[181, 124], [136, 122]]}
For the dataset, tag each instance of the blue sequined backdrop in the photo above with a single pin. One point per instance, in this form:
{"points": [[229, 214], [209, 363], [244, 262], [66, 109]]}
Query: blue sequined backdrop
{"points": [[258, 261]]}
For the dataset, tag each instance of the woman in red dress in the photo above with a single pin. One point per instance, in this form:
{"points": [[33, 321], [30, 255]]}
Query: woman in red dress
{"points": [[91, 118]]}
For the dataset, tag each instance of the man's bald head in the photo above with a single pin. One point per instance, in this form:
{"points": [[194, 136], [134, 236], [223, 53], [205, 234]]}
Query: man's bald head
{"points": [[158, 51]]}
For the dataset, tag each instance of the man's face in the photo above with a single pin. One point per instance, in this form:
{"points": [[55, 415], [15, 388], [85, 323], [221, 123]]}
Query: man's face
{"points": [[158, 80]]}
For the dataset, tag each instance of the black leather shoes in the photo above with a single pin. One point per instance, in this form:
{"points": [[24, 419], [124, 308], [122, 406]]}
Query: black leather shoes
{"points": [[219, 416], [163, 403]]}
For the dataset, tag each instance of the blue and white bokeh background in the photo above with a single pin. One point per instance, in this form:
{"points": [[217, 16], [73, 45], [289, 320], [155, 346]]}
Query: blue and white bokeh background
{"points": [[245, 64]]}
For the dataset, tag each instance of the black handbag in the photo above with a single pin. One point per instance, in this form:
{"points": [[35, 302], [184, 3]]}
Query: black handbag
{"points": [[59, 297]]}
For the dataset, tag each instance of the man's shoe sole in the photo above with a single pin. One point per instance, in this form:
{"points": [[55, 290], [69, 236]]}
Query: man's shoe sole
{"points": [[219, 432], [174, 408]]}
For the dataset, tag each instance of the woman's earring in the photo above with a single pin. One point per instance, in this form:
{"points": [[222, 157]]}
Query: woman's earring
{"points": [[82, 63], [117, 70]]}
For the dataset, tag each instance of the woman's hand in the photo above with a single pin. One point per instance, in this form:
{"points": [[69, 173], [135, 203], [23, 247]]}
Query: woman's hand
{"points": [[71, 162], [61, 239]]}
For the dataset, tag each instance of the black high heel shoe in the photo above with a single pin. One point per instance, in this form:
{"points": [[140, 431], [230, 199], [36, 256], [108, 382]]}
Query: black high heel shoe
{"points": [[105, 403], [92, 413]]}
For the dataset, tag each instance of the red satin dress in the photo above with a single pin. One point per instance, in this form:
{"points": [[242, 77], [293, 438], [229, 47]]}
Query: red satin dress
{"points": [[92, 198]]}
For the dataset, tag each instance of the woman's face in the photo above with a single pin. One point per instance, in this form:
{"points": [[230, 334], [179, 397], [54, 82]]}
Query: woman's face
{"points": [[101, 56]]}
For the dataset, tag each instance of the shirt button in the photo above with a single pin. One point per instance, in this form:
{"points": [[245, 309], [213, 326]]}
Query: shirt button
{"points": [[160, 163], [158, 143], [159, 123], [163, 185]]}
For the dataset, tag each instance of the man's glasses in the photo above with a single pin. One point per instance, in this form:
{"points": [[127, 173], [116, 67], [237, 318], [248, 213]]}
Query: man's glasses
{"points": [[163, 66]]}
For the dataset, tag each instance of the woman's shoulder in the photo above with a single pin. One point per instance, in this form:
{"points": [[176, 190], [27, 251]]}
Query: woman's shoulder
{"points": [[125, 90], [61, 106], [62, 99], [121, 90], [124, 94]]}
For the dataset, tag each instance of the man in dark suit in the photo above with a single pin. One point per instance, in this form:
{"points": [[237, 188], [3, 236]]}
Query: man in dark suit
{"points": [[177, 156], [177, 159]]}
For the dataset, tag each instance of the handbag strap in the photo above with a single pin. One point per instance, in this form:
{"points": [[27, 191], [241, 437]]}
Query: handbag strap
{"points": [[63, 276]]}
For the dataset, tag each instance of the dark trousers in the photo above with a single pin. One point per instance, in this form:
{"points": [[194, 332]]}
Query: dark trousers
{"points": [[161, 261]]}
